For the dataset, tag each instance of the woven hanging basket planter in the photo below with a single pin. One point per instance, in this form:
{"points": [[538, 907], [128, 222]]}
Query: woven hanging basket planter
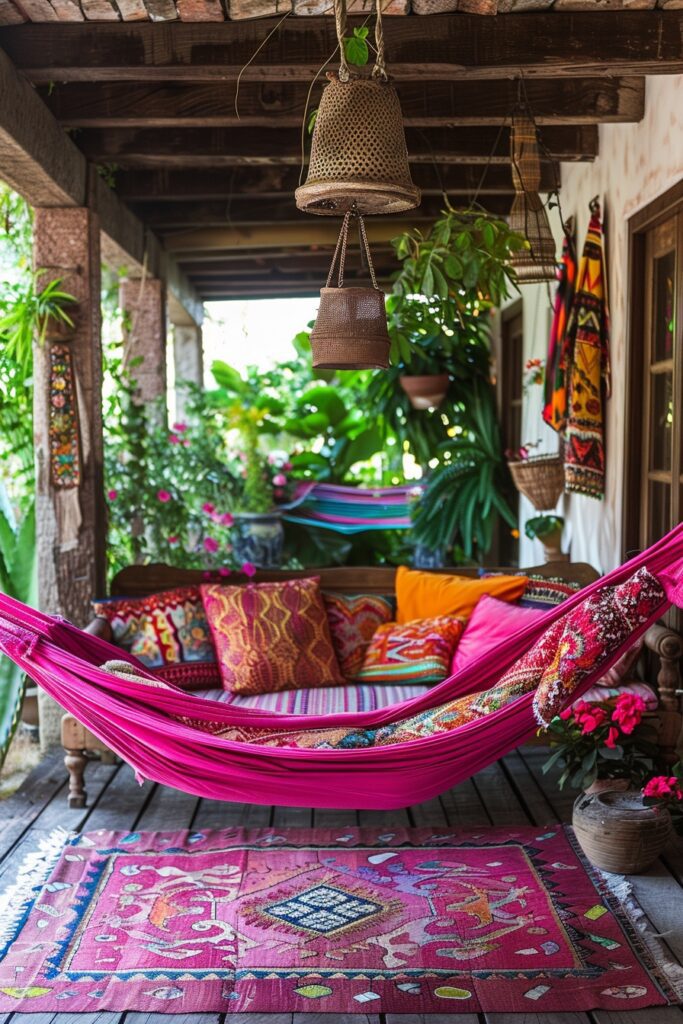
{"points": [[350, 331], [540, 479], [528, 216], [358, 158]]}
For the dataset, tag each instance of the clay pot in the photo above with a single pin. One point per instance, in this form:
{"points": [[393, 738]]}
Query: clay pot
{"points": [[552, 546], [259, 538], [618, 833], [427, 391]]}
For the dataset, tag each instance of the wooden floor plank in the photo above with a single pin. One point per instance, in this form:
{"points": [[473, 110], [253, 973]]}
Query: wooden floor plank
{"points": [[167, 810], [326, 817], [123, 804], [429, 813], [292, 817], [496, 794], [463, 807], [33, 796], [654, 1015]]}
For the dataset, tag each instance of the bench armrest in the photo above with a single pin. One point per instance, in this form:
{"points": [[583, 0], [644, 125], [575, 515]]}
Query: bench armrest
{"points": [[668, 646], [101, 628]]}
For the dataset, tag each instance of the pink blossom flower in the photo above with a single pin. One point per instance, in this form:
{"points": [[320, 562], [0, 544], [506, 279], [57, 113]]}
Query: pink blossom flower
{"points": [[662, 787], [209, 508], [567, 713], [227, 519], [612, 737], [112, 494], [223, 571], [271, 459], [207, 574], [589, 716], [288, 467], [248, 569], [628, 712], [278, 493], [173, 540], [163, 496], [173, 439], [211, 544], [186, 442], [180, 428], [279, 480]]}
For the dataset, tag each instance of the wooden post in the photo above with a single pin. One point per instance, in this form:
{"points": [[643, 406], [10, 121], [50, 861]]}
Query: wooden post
{"points": [[71, 555], [143, 301], [188, 360]]}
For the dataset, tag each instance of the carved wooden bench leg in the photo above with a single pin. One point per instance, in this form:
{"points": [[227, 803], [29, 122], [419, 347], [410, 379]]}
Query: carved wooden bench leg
{"points": [[75, 761]]}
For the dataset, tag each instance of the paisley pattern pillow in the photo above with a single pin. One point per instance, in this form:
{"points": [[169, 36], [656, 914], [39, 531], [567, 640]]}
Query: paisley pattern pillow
{"points": [[354, 620], [416, 652], [167, 631], [271, 636]]}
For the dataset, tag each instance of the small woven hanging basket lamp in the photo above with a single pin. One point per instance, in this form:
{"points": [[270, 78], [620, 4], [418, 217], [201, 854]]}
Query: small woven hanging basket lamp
{"points": [[350, 331], [528, 216], [359, 158]]}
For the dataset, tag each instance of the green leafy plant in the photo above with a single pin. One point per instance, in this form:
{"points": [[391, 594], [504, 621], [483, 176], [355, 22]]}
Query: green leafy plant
{"points": [[18, 579], [356, 48], [598, 741], [26, 310], [539, 527], [463, 259], [464, 496]]}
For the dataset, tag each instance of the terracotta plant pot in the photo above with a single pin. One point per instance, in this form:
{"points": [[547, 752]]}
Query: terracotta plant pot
{"points": [[427, 391], [618, 833], [259, 538], [552, 546]]}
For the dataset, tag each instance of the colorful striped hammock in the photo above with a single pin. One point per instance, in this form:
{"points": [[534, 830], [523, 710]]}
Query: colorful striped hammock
{"points": [[350, 510], [184, 740]]}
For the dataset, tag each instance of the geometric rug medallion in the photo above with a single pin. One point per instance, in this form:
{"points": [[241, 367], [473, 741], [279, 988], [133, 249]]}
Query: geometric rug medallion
{"points": [[325, 920]]}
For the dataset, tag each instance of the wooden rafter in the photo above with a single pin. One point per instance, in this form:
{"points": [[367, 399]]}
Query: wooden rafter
{"points": [[556, 44], [279, 182], [226, 147], [282, 104]]}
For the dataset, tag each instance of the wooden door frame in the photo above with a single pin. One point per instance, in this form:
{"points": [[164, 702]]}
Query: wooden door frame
{"points": [[664, 206]]}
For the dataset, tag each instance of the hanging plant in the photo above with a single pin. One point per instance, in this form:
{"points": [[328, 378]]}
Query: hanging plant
{"points": [[30, 312], [463, 259]]}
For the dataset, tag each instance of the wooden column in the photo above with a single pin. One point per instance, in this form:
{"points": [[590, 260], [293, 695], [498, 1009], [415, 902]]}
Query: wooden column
{"points": [[188, 361], [71, 557], [143, 301]]}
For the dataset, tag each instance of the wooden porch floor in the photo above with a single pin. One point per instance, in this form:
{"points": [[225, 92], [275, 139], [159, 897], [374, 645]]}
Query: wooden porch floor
{"points": [[511, 792]]}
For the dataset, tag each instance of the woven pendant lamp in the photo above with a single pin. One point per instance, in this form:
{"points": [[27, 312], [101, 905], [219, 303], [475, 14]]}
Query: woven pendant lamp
{"points": [[528, 216], [350, 331], [358, 152]]}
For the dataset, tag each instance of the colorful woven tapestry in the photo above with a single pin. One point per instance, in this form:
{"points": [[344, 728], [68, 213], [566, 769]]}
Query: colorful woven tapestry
{"points": [[328, 921], [64, 441], [588, 370], [555, 394], [350, 510]]}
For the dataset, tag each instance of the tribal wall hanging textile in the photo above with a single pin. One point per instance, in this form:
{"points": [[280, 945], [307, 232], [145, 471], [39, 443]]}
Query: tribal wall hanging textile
{"points": [[555, 388], [588, 369], [65, 458], [343, 920]]}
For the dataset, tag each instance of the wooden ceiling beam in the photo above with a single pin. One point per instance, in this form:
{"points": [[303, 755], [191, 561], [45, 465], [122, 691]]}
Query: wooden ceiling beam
{"points": [[175, 185], [226, 147], [282, 104], [164, 217], [451, 48], [319, 231]]}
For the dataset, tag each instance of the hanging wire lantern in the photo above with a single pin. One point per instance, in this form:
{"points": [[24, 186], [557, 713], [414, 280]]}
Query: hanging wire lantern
{"points": [[528, 216], [358, 151], [350, 331]]}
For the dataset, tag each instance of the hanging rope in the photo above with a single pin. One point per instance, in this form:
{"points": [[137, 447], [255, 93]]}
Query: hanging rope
{"points": [[340, 24], [380, 69]]}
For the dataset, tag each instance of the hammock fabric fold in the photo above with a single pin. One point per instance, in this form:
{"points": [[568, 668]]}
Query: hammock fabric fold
{"points": [[172, 737], [350, 510]]}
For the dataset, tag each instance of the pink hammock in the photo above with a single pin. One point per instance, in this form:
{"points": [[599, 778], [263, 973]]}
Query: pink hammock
{"points": [[141, 723]]}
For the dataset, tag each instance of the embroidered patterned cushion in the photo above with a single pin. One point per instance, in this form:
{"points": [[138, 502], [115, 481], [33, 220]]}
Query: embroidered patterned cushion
{"points": [[167, 632], [425, 595], [542, 591], [417, 652], [271, 636], [353, 621], [591, 631]]}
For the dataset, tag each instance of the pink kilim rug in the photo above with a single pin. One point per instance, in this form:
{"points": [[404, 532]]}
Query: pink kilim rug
{"points": [[353, 920]]}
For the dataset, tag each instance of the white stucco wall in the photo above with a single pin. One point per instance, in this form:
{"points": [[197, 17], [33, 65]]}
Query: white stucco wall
{"points": [[636, 163]]}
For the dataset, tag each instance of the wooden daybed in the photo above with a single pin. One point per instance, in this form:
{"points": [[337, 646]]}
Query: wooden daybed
{"points": [[661, 667]]}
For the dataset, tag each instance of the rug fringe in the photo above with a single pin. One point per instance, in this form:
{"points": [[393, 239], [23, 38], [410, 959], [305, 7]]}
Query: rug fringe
{"points": [[17, 900], [622, 890]]}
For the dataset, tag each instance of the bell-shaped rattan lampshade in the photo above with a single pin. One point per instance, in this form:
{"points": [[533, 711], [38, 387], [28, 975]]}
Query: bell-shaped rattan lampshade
{"points": [[359, 158], [528, 216], [358, 152]]}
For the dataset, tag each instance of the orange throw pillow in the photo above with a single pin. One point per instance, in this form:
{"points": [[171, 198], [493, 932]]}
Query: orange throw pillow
{"points": [[427, 595], [271, 636]]}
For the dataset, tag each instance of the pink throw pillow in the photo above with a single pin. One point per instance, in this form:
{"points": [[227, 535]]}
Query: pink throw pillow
{"points": [[490, 625]]}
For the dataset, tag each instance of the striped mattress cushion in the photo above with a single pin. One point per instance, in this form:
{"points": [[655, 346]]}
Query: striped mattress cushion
{"points": [[329, 700]]}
